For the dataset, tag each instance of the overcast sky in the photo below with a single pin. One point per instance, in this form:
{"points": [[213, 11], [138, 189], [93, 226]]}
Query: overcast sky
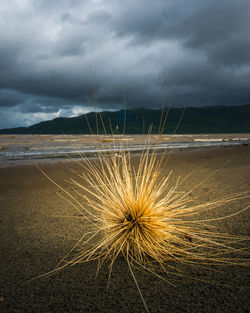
{"points": [[51, 51]]}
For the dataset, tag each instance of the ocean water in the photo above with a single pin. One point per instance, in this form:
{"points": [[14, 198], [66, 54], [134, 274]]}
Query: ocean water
{"points": [[41, 147]]}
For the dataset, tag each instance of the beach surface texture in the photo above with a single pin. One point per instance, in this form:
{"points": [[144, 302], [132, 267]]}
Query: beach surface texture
{"points": [[34, 238]]}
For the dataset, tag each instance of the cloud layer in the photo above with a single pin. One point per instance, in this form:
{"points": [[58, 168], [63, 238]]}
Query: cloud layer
{"points": [[51, 51]]}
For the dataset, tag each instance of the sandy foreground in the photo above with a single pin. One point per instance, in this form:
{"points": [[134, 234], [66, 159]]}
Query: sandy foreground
{"points": [[34, 239]]}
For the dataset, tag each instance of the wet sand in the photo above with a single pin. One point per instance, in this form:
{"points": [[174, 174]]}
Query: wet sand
{"points": [[33, 240]]}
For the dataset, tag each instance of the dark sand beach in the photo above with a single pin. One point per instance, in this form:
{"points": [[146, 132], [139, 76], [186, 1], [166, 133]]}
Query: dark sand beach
{"points": [[33, 240]]}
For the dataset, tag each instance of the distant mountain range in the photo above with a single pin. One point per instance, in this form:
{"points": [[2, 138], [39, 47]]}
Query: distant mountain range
{"points": [[214, 119]]}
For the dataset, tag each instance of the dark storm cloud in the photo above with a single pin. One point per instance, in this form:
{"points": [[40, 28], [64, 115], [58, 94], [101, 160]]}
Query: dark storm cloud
{"points": [[9, 98], [52, 50], [212, 26]]}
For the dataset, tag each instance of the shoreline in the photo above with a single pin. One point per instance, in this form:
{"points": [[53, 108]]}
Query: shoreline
{"points": [[72, 157], [29, 148]]}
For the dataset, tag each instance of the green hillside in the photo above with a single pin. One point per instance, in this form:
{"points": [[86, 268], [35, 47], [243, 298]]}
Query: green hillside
{"points": [[216, 119]]}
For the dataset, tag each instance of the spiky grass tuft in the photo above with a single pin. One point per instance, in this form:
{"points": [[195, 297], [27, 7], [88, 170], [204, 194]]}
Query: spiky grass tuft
{"points": [[135, 212], [130, 212]]}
